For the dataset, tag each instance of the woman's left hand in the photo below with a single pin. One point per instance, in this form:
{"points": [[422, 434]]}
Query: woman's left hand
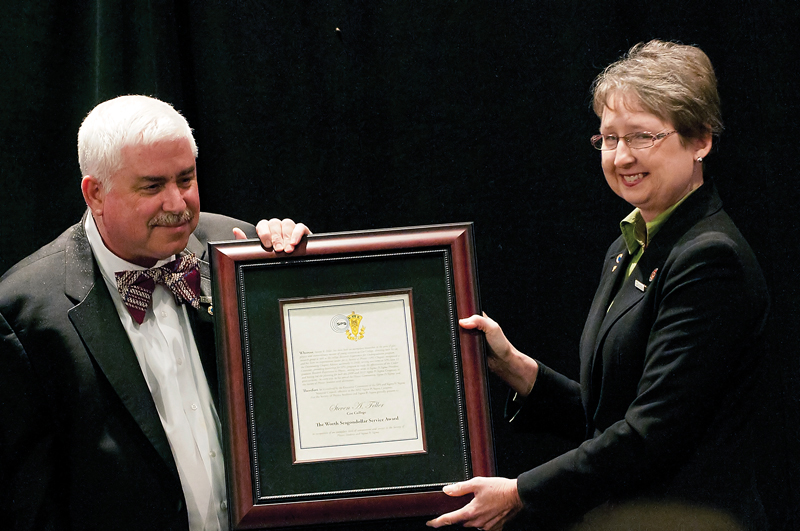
{"points": [[495, 502]]}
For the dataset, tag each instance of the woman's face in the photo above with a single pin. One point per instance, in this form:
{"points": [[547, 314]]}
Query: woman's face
{"points": [[652, 179]]}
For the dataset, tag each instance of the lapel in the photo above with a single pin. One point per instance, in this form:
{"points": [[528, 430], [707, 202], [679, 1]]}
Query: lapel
{"points": [[613, 271], [630, 293], [95, 319], [702, 203], [202, 320], [195, 246]]}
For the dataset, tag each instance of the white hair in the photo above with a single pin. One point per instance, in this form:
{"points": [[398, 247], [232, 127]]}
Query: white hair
{"points": [[126, 121]]}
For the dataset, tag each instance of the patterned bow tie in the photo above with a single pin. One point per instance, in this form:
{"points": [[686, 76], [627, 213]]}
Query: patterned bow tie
{"points": [[181, 276]]}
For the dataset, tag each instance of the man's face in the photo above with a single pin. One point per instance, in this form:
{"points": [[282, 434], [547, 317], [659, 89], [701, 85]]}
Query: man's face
{"points": [[153, 206]]}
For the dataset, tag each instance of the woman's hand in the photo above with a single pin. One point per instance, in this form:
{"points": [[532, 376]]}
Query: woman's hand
{"points": [[501, 349], [518, 370], [495, 502]]}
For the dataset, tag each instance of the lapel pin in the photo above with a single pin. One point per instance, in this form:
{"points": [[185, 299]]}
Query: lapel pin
{"points": [[653, 274], [641, 287], [619, 258], [613, 269], [207, 300]]}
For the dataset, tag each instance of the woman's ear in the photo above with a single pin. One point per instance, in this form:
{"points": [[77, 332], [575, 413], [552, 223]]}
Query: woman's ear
{"points": [[702, 145]]}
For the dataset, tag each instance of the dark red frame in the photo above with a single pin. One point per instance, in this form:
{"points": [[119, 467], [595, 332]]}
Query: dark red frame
{"points": [[245, 514]]}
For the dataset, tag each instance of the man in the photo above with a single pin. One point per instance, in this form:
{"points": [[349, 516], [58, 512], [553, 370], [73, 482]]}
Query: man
{"points": [[107, 391]]}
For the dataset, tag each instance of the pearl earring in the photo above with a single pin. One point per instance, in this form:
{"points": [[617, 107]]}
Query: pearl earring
{"points": [[699, 159]]}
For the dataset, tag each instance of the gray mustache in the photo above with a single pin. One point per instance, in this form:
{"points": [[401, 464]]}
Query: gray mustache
{"points": [[169, 219]]}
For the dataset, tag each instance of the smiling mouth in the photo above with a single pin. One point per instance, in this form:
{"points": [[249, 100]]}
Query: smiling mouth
{"points": [[633, 179]]}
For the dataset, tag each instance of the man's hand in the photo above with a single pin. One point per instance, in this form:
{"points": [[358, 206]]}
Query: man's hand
{"points": [[278, 235], [495, 502]]}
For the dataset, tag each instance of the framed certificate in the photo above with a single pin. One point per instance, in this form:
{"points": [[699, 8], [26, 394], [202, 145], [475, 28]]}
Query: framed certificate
{"points": [[352, 393], [348, 392]]}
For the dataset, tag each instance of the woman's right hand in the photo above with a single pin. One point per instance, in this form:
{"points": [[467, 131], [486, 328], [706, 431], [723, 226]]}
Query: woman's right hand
{"points": [[500, 347], [518, 370]]}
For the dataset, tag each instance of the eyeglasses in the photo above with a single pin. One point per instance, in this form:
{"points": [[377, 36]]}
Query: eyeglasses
{"points": [[638, 140]]}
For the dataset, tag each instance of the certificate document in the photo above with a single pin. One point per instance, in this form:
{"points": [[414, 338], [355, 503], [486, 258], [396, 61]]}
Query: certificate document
{"points": [[353, 377]]}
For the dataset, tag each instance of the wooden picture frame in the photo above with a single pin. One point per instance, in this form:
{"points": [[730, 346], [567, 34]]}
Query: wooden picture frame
{"points": [[267, 485]]}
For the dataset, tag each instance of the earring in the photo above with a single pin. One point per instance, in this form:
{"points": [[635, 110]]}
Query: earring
{"points": [[699, 159]]}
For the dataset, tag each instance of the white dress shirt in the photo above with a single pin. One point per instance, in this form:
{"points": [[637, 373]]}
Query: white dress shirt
{"points": [[168, 356]]}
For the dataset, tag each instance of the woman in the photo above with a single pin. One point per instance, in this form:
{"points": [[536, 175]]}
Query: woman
{"points": [[670, 349]]}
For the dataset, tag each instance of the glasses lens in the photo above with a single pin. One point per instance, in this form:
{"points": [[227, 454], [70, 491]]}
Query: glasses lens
{"points": [[641, 140], [604, 143]]}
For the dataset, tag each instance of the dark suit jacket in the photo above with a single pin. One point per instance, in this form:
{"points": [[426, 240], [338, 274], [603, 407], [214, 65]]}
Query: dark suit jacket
{"points": [[667, 380], [82, 446]]}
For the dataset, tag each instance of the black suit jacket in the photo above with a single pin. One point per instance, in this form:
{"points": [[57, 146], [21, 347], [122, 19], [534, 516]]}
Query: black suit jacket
{"points": [[667, 381], [82, 444]]}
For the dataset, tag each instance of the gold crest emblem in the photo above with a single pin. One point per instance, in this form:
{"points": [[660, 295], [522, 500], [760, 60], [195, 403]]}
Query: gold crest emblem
{"points": [[356, 331]]}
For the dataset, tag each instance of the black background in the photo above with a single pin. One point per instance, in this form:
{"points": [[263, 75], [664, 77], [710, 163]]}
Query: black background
{"points": [[415, 113]]}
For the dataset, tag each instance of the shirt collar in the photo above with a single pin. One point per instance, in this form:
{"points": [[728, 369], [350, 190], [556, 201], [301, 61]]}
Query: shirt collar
{"points": [[638, 233], [109, 262]]}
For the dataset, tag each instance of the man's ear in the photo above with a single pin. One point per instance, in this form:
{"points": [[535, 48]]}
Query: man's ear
{"points": [[93, 193]]}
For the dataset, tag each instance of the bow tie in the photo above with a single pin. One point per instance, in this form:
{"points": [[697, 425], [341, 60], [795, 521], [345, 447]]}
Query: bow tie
{"points": [[181, 276]]}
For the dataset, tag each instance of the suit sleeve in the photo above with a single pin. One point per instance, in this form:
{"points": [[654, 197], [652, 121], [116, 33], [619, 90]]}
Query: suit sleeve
{"points": [[216, 227], [709, 310], [26, 446], [554, 405]]}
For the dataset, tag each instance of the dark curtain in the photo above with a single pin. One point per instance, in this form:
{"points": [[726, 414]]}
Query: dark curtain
{"points": [[364, 114]]}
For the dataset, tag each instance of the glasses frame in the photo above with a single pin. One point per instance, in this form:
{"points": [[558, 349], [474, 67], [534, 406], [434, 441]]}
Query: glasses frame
{"points": [[654, 137]]}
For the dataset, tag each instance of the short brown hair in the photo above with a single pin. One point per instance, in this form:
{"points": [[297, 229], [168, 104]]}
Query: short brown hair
{"points": [[673, 81]]}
